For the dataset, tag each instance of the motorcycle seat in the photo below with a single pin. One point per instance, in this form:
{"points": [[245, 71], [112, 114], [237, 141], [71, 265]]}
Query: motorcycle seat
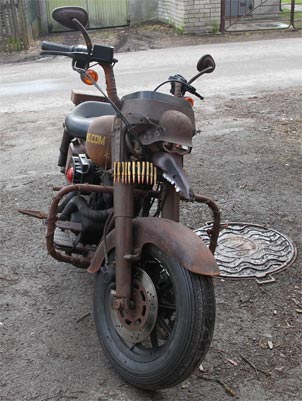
{"points": [[79, 119]]}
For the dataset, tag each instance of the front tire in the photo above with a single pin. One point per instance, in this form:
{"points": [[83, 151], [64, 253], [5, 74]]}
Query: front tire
{"points": [[180, 334]]}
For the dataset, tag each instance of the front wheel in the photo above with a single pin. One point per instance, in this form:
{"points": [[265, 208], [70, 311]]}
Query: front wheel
{"points": [[167, 333]]}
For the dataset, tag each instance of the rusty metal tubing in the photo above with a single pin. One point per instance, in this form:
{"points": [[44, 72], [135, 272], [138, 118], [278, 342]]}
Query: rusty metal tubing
{"points": [[111, 85], [77, 260], [123, 218], [178, 89], [81, 261], [214, 231], [74, 259]]}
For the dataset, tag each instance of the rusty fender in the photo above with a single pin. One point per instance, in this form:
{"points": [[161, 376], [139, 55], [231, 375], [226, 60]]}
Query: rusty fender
{"points": [[172, 238]]}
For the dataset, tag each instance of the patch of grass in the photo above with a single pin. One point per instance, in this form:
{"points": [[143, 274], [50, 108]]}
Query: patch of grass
{"points": [[11, 44], [215, 27], [286, 11], [289, 2]]}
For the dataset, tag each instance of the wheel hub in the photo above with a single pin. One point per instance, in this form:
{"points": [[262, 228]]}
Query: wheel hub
{"points": [[136, 324]]}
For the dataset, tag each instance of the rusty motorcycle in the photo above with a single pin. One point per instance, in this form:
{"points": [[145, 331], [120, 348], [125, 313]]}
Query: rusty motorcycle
{"points": [[118, 217]]}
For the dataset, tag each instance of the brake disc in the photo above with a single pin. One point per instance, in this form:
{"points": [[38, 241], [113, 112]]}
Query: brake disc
{"points": [[136, 324]]}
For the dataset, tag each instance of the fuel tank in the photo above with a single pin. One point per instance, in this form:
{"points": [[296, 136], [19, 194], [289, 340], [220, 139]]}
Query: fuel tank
{"points": [[98, 141]]}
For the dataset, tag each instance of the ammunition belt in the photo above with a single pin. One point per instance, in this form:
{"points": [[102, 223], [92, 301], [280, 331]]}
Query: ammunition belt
{"points": [[134, 173]]}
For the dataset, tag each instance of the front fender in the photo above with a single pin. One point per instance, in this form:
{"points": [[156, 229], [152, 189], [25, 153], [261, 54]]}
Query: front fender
{"points": [[172, 238]]}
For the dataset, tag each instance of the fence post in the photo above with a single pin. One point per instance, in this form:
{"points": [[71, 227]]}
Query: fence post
{"points": [[292, 13], [14, 35], [23, 25], [222, 17]]}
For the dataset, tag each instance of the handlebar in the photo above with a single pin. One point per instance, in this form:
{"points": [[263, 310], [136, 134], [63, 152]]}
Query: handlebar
{"points": [[81, 59], [56, 47], [99, 54], [77, 53], [104, 56]]}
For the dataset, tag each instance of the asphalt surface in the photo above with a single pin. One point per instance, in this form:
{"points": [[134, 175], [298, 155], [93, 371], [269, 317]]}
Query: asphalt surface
{"points": [[243, 68]]}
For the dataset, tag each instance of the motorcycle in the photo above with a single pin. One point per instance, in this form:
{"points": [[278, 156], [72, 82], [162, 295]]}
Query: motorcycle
{"points": [[154, 302]]}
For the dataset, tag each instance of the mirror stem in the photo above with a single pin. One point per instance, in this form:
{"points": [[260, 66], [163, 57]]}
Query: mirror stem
{"points": [[208, 69], [85, 34]]}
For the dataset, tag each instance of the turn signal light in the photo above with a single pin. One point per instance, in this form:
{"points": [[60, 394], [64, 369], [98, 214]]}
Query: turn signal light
{"points": [[190, 100], [69, 175], [91, 73]]}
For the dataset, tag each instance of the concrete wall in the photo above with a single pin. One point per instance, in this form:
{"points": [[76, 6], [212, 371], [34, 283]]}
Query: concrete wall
{"points": [[191, 16], [172, 11], [143, 10]]}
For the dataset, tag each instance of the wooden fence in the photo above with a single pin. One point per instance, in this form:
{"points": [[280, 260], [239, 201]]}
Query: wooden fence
{"points": [[17, 18]]}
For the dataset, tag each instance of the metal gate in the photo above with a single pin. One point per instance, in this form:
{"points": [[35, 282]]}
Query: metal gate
{"points": [[245, 15], [102, 13]]}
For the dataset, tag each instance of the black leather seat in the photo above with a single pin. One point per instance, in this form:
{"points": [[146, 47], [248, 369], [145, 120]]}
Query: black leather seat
{"points": [[79, 119]]}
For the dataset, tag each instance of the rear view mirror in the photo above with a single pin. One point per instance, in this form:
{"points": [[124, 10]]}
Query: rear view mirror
{"points": [[66, 15], [205, 62], [205, 65]]}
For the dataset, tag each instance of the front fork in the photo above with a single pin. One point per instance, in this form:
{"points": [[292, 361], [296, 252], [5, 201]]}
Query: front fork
{"points": [[123, 213], [123, 204]]}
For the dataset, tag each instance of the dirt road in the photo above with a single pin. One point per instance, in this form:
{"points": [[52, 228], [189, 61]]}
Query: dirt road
{"points": [[247, 157]]}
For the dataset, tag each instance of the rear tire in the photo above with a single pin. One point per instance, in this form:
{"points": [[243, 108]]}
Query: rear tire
{"points": [[180, 334]]}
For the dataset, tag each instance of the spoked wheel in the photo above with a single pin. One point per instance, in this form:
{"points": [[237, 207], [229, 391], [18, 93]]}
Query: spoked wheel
{"points": [[169, 327]]}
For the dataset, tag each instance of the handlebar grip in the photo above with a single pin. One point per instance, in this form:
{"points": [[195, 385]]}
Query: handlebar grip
{"points": [[56, 47]]}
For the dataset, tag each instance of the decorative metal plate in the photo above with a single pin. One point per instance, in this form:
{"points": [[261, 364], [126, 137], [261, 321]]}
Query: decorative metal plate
{"points": [[249, 250]]}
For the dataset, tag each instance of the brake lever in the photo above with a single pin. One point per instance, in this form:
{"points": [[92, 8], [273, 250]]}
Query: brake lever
{"points": [[198, 95], [192, 90]]}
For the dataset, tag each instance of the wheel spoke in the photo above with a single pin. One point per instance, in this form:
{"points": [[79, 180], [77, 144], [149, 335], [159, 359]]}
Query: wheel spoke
{"points": [[164, 325], [154, 330], [164, 285], [154, 338], [167, 307], [131, 346]]}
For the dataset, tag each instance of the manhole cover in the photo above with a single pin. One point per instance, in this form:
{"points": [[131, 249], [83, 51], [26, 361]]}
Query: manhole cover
{"points": [[249, 250]]}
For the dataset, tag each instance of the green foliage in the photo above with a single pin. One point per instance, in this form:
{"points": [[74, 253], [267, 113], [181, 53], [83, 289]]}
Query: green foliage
{"points": [[178, 29], [286, 11], [10, 44], [215, 27], [289, 2]]}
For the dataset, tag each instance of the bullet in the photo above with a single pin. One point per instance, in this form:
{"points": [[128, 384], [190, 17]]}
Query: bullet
{"points": [[151, 173], [147, 172], [123, 172], [138, 172], [133, 172], [129, 172], [118, 166], [143, 172]]}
